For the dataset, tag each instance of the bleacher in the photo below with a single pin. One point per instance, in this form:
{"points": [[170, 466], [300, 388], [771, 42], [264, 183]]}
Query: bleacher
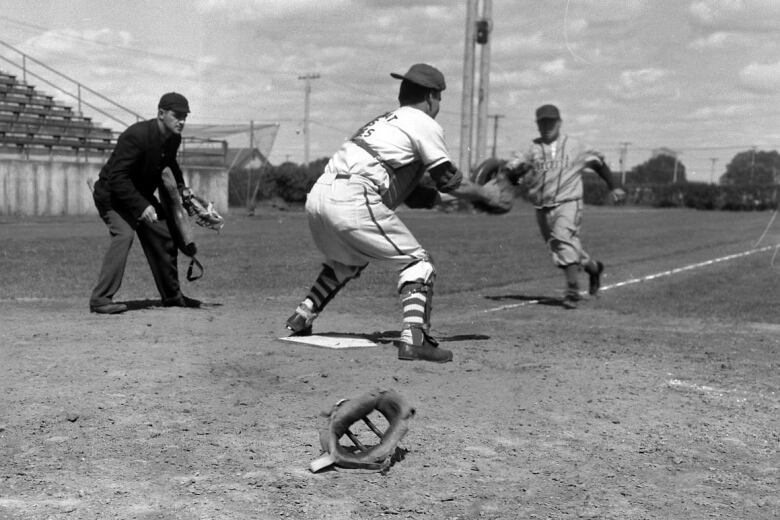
{"points": [[32, 123]]}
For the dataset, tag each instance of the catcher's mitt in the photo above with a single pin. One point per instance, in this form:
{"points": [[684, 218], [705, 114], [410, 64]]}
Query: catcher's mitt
{"points": [[204, 212], [343, 414], [498, 192]]}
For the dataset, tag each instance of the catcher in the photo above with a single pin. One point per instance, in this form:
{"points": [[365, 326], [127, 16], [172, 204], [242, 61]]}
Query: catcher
{"points": [[124, 197], [351, 207], [552, 169]]}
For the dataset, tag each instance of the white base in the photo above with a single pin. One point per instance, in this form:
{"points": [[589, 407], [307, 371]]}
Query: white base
{"points": [[332, 341]]}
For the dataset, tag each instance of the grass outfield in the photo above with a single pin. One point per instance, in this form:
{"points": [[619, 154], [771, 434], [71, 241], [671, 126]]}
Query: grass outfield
{"points": [[499, 257]]}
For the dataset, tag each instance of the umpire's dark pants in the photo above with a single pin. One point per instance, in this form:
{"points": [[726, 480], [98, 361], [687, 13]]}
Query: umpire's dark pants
{"points": [[158, 246]]}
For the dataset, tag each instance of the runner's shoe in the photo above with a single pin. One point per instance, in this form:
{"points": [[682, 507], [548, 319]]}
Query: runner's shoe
{"points": [[595, 279], [570, 299]]}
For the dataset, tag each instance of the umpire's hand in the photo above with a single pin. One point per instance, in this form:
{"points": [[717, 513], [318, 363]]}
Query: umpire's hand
{"points": [[149, 215]]}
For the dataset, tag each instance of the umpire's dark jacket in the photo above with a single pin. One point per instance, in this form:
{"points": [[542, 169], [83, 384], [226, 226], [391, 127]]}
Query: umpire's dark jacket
{"points": [[133, 172]]}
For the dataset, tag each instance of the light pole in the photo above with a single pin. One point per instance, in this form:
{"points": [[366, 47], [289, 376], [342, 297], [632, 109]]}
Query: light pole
{"points": [[712, 169], [623, 153], [495, 117], [307, 95]]}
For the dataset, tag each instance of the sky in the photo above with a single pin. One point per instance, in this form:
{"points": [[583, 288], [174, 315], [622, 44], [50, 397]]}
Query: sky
{"points": [[700, 77]]}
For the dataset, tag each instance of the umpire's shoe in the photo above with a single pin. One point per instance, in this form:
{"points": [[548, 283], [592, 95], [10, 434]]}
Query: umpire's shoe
{"points": [[182, 301], [428, 350], [595, 279], [108, 308]]}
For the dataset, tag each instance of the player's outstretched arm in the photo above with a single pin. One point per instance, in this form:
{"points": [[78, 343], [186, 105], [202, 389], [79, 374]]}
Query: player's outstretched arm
{"points": [[603, 170], [497, 195]]}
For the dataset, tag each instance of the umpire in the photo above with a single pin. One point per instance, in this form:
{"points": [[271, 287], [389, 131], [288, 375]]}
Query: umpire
{"points": [[124, 197]]}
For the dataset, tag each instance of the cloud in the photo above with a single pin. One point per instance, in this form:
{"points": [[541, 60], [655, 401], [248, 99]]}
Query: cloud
{"points": [[606, 11], [71, 40], [721, 40], [259, 10], [709, 113], [254, 11], [761, 77], [555, 67], [735, 15], [545, 73], [641, 83]]}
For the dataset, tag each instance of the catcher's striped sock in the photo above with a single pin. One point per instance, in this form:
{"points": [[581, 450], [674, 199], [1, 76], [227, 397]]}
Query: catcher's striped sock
{"points": [[324, 289]]}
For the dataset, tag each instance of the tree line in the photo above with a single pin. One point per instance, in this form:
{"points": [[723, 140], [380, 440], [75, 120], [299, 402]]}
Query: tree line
{"points": [[750, 182]]}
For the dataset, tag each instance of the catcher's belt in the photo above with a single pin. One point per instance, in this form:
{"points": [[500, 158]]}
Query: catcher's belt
{"points": [[348, 411]]}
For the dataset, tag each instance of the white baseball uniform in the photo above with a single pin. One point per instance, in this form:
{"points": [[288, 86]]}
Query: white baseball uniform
{"points": [[350, 208], [555, 188]]}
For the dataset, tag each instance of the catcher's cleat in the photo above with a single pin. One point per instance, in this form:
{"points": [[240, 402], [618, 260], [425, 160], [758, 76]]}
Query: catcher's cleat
{"points": [[428, 350], [300, 323], [595, 279], [425, 352]]}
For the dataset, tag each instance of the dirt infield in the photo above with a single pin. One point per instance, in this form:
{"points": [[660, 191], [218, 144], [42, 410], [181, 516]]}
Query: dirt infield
{"points": [[658, 400]]}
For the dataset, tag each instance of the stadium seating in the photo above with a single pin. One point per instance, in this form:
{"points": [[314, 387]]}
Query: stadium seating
{"points": [[34, 123]]}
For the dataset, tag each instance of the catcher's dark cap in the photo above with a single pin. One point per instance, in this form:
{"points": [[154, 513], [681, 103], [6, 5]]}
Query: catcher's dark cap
{"points": [[547, 112], [424, 75], [174, 101]]}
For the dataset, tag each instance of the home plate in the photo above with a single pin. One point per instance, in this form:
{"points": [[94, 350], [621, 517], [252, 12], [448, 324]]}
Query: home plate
{"points": [[332, 341]]}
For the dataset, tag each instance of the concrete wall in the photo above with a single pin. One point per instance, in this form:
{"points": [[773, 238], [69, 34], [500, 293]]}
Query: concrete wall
{"points": [[34, 187]]}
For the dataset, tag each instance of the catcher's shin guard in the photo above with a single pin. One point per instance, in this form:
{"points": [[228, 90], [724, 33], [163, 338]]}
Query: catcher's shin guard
{"points": [[415, 285], [417, 303]]}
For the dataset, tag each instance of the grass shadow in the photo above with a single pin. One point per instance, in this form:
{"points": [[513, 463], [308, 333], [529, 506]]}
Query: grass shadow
{"points": [[538, 300], [139, 305]]}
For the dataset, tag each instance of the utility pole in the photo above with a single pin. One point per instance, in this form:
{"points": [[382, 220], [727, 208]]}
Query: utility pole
{"points": [[713, 160], [495, 117], [249, 165], [307, 95], [676, 162], [467, 102], [752, 164], [484, 26], [623, 152]]}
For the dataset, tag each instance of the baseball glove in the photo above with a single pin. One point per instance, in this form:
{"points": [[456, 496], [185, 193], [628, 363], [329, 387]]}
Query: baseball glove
{"points": [[204, 213], [498, 192]]}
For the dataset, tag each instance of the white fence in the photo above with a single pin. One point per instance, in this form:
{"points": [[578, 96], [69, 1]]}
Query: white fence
{"points": [[30, 187]]}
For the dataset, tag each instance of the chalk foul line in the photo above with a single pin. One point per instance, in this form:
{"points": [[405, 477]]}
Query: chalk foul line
{"points": [[647, 278]]}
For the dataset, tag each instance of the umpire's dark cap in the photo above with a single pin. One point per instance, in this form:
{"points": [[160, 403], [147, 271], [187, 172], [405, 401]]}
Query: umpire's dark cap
{"points": [[547, 112], [424, 75], [174, 101]]}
